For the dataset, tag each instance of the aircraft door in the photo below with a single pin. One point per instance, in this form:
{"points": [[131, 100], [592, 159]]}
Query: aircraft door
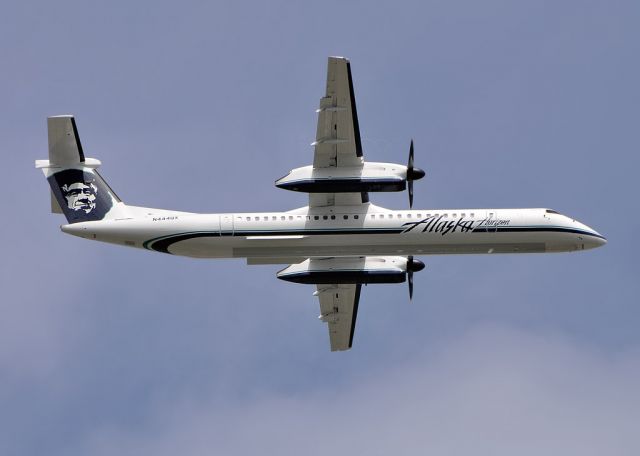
{"points": [[492, 222], [226, 225]]}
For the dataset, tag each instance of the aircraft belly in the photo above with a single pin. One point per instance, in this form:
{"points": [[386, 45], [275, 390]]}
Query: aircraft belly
{"points": [[418, 243], [203, 247], [390, 244]]}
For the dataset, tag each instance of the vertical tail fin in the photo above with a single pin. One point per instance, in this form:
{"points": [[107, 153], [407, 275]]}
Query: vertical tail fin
{"points": [[77, 189]]}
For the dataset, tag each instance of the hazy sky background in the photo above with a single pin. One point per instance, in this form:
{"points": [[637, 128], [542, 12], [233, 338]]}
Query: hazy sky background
{"points": [[200, 106]]}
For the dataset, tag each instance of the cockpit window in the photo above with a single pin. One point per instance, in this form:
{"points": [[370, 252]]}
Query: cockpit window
{"points": [[551, 211]]}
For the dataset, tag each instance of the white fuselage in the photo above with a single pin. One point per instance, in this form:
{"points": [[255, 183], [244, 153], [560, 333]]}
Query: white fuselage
{"points": [[343, 231]]}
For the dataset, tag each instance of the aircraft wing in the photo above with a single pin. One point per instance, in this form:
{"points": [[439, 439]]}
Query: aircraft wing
{"points": [[339, 309], [338, 141]]}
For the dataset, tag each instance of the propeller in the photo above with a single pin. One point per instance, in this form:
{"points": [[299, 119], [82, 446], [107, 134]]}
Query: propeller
{"points": [[412, 174], [412, 266]]}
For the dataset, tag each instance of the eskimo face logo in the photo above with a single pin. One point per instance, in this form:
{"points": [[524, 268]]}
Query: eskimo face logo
{"points": [[80, 196]]}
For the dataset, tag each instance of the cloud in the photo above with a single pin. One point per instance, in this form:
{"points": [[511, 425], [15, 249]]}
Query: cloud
{"points": [[496, 390]]}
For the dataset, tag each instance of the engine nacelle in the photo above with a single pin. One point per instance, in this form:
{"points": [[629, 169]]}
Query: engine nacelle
{"points": [[371, 177], [350, 270]]}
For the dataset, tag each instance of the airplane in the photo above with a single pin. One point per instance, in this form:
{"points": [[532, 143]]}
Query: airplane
{"points": [[338, 242]]}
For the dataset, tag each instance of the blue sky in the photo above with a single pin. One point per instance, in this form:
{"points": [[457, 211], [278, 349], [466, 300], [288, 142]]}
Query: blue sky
{"points": [[201, 106]]}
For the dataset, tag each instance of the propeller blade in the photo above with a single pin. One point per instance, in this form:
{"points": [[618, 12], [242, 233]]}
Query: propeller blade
{"points": [[411, 155], [410, 185], [412, 266], [410, 274], [412, 174]]}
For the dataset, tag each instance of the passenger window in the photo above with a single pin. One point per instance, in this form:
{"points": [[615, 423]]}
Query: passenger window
{"points": [[408, 215], [472, 215], [325, 217], [453, 215], [256, 218], [282, 217], [266, 218], [274, 218], [419, 215], [333, 217], [316, 217], [390, 216], [399, 215], [345, 217], [248, 219], [355, 216]]}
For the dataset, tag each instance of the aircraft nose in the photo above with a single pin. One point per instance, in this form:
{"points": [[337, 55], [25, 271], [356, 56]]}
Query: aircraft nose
{"points": [[591, 242], [593, 239], [586, 237]]}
